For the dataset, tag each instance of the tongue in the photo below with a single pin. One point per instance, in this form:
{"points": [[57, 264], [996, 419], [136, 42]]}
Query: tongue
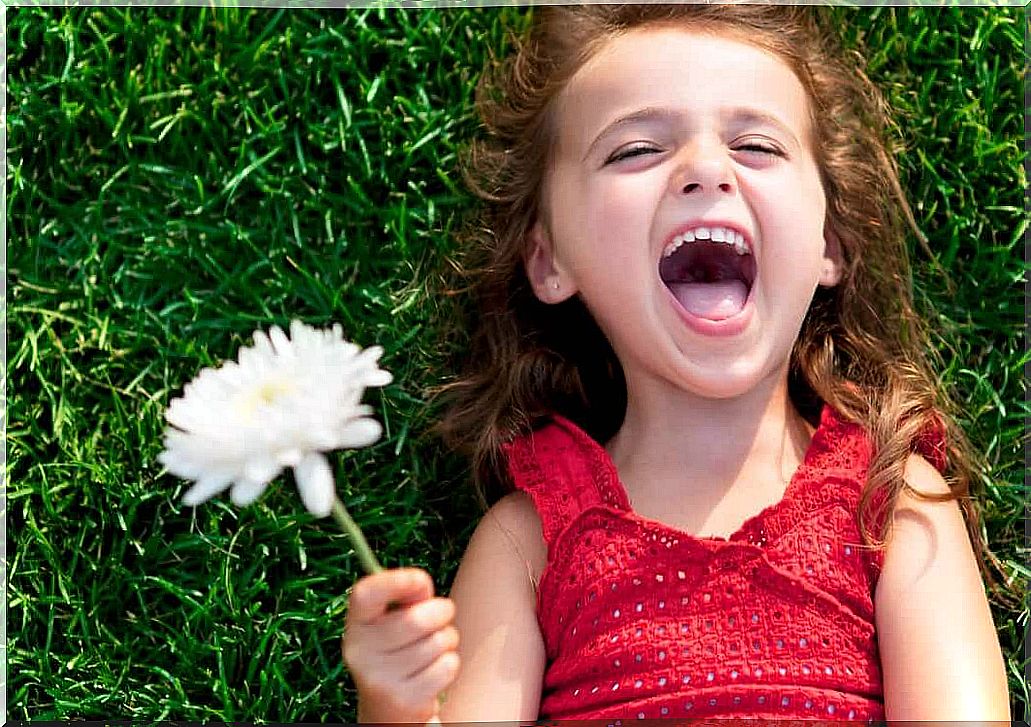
{"points": [[714, 301]]}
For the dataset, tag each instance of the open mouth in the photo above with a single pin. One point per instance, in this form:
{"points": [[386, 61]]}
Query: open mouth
{"points": [[710, 279]]}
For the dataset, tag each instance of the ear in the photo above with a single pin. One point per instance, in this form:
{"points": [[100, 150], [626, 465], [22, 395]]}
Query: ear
{"points": [[833, 259], [550, 282]]}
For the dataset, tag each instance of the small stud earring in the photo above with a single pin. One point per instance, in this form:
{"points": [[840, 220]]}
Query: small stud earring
{"points": [[555, 285]]}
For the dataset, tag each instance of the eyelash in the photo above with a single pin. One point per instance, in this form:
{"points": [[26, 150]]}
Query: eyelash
{"points": [[634, 151], [761, 148], [629, 152]]}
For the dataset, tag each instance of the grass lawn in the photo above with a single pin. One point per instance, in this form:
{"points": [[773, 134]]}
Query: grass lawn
{"points": [[178, 177]]}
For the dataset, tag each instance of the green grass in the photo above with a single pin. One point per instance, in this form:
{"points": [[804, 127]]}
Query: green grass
{"points": [[180, 177]]}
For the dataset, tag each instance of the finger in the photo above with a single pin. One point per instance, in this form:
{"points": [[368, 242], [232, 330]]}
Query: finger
{"points": [[406, 662], [405, 627], [382, 647], [371, 594], [424, 652], [434, 679], [414, 623]]}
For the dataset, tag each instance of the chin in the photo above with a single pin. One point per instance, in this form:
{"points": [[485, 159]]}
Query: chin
{"points": [[718, 392], [721, 383]]}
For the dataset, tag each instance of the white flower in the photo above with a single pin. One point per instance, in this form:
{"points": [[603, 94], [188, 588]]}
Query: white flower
{"points": [[282, 405]]}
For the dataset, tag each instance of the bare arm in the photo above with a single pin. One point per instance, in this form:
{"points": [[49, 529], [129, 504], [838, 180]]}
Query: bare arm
{"points": [[940, 653], [500, 645]]}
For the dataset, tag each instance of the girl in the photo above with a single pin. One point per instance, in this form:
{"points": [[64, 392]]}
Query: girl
{"points": [[701, 377]]}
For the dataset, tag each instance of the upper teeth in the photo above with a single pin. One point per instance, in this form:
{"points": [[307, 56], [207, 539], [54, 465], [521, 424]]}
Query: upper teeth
{"points": [[715, 234]]}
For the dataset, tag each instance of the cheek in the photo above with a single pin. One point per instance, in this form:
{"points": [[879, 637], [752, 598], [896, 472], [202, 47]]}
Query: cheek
{"points": [[625, 204], [793, 209], [798, 198], [607, 220]]}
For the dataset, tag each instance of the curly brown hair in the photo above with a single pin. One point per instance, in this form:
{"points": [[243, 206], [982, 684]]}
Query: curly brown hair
{"points": [[863, 349]]}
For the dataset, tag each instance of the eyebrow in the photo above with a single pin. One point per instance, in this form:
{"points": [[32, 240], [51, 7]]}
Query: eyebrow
{"points": [[657, 113], [650, 113]]}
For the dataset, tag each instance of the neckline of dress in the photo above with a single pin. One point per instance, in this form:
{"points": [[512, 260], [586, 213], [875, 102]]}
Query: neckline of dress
{"points": [[751, 532]]}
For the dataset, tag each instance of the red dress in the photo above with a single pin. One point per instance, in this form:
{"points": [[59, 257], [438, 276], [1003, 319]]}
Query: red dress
{"points": [[641, 620]]}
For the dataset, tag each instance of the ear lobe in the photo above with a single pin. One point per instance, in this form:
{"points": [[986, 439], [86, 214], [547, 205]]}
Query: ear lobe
{"points": [[833, 258], [549, 283]]}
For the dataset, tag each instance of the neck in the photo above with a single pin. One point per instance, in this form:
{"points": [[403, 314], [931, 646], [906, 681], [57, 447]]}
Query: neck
{"points": [[677, 440]]}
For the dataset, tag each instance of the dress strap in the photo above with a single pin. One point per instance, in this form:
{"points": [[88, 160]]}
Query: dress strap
{"points": [[558, 467]]}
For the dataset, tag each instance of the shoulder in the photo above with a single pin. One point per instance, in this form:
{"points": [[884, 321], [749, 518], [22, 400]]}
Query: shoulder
{"points": [[509, 537], [924, 477], [924, 536], [513, 523], [501, 648], [920, 522], [934, 625], [917, 517]]}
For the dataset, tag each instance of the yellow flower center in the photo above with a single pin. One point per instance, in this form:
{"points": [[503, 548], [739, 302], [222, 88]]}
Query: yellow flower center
{"points": [[266, 393]]}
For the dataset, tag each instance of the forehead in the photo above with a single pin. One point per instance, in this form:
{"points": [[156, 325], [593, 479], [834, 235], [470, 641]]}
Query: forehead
{"points": [[681, 70]]}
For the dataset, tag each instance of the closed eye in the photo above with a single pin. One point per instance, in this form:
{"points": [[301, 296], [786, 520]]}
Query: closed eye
{"points": [[760, 148], [631, 151]]}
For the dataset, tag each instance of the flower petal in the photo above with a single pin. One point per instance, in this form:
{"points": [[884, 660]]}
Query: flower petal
{"points": [[303, 332], [359, 433], [261, 345], [261, 471], [378, 377], [315, 483], [207, 487], [280, 342], [289, 457], [246, 491]]}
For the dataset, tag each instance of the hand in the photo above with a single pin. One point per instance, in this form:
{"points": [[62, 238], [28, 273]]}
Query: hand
{"points": [[400, 646]]}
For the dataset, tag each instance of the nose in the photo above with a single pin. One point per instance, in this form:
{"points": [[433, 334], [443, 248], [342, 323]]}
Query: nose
{"points": [[706, 168]]}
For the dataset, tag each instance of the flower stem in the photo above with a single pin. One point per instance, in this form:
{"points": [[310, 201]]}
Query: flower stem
{"points": [[364, 553], [361, 547]]}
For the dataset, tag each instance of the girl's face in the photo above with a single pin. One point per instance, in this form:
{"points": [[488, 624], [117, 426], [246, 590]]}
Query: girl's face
{"points": [[663, 133]]}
